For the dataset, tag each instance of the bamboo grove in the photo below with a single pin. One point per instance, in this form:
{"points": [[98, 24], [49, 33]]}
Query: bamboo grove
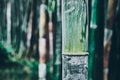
{"points": [[36, 34]]}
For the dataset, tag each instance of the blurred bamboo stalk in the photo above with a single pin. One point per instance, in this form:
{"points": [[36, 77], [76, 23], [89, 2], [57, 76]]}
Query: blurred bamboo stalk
{"points": [[51, 10], [93, 26], [9, 22], [99, 34], [3, 21], [57, 41], [42, 41], [108, 35], [114, 56]]}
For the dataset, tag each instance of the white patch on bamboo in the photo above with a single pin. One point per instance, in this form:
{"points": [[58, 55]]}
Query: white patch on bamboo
{"points": [[42, 71], [29, 30], [9, 23]]}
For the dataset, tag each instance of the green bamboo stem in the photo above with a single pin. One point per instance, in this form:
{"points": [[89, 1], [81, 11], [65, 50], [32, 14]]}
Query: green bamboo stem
{"points": [[93, 26], [73, 27]]}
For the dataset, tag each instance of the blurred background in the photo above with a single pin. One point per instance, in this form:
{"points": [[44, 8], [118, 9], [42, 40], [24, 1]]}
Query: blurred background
{"points": [[31, 39], [30, 35]]}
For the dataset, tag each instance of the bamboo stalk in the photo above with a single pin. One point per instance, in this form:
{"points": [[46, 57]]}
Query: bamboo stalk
{"points": [[114, 59], [9, 22], [74, 29], [107, 35], [98, 59], [57, 41], [74, 39], [93, 26], [42, 42]]}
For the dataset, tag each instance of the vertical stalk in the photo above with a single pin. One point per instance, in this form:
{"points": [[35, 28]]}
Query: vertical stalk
{"points": [[74, 39], [3, 21], [93, 26], [9, 22], [114, 58], [42, 41], [98, 67], [57, 41], [108, 35]]}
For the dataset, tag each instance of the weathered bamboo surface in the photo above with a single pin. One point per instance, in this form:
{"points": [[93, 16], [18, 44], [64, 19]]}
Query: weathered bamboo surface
{"points": [[74, 26], [74, 40]]}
